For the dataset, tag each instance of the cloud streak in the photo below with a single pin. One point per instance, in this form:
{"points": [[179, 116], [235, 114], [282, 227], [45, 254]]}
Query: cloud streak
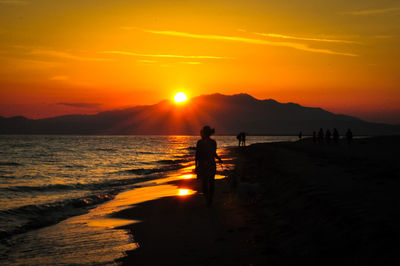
{"points": [[81, 105], [165, 55], [14, 2], [145, 61], [64, 55], [274, 35], [298, 46], [368, 12], [192, 63]]}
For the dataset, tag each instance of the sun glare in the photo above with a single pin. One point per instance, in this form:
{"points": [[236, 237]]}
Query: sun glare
{"points": [[185, 192], [180, 97]]}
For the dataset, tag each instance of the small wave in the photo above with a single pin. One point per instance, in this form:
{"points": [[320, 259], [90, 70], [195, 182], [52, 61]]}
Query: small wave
{"points": [[36, 216], [77, 186], [22, 145], [7, 177], [42, 188], [75, 166], [172, 161], [142, 171], [104, 149], [145, 152], [10, 164]]}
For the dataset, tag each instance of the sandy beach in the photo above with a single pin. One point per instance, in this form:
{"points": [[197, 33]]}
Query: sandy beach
{"points": [[297, 203]]}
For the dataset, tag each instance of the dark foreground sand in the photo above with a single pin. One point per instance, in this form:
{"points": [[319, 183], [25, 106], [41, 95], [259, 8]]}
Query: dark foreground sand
{"points": [[294, 204]]}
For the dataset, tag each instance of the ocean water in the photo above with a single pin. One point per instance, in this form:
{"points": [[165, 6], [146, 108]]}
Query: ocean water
{"points": [[57, 192]]}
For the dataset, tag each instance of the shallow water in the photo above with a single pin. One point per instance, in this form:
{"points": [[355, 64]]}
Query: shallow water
{"points": [[53, 185]]}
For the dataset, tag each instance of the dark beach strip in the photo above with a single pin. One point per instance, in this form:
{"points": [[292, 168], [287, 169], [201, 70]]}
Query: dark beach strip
{"points": [[298, 203]]}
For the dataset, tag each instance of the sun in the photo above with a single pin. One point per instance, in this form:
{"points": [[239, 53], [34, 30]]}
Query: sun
{"points": [[180, 97]]}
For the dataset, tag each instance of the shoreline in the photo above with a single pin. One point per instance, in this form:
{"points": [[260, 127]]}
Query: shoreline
{"points": [[296, 203], [181, 230]]}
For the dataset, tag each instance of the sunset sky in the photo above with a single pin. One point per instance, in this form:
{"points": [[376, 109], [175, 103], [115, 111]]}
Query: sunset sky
{"points": [[64, 57]]}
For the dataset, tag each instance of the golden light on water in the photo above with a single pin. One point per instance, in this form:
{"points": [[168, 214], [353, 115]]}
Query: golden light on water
{"points": [[180, 97], [185, 192], [188, 176]]}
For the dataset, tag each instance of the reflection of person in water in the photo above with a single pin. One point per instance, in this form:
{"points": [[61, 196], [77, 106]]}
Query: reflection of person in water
{"points": [[206, 152]]}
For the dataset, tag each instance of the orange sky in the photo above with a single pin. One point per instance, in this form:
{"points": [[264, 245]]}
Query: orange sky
{"points": [[62, 57]]}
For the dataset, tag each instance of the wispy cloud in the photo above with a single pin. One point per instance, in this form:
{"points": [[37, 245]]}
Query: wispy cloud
{"points": [[14, 2], [147, 61], [274, 35], [81, 105], [298, 46], [32, 64], [367, 12], [65, 55], [382, 36], [164, 55], [192, 63]]}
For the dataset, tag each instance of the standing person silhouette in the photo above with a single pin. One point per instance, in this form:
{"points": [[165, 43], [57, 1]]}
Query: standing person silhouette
{"points": [[206, 153], [239, 138], [328, 136], [321, 135], [349, 136], [243, 139], [335, 135]]}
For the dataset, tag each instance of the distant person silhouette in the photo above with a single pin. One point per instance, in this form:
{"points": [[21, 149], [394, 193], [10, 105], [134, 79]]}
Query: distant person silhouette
{"points": [[335, 135], [349, 136], [206, 153], [321, 135], [242, 139], [314, 136], [239, 138], [300, 135], [328, 136]]}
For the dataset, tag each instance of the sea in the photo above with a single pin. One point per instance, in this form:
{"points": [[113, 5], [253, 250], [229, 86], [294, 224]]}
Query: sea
{"points": [[58, 193]]}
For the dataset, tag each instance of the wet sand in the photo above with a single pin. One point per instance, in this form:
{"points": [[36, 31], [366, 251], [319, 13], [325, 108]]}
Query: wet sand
{"points": [[293, 204]]}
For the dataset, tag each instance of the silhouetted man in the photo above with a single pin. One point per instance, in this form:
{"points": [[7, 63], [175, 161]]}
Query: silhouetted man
{"points": [[242, 139], [335, 135], [328, 136], [321, 135], [349, 136]]}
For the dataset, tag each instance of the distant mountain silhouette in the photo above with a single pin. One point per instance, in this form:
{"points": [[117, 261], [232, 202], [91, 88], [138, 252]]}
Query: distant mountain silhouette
{"points": [[228, 114]]}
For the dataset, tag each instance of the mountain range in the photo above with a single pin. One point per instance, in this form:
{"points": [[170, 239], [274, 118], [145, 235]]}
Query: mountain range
{"points": [[228, 114]]}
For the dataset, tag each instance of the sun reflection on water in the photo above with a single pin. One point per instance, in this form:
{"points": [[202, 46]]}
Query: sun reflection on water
{"points": [[185, 192], [188, 176]]}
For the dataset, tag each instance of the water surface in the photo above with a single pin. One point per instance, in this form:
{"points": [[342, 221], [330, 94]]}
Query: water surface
{"points": [[51, 188]]}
